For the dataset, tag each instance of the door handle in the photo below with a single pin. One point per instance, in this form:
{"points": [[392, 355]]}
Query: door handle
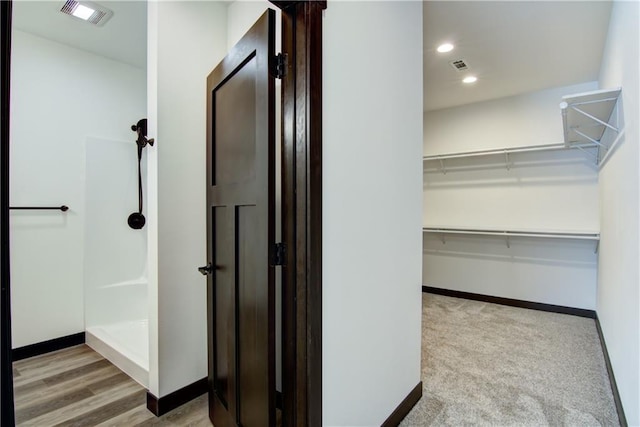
{"points": [[207, 269]]}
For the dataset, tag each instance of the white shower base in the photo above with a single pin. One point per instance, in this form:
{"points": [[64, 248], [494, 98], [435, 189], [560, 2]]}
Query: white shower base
{"points": [[126, 345]]}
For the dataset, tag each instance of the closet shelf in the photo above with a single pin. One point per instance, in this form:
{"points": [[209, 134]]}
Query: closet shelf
{"points": [[510, 150], [516, 233], [507, 151], [586, 116]]}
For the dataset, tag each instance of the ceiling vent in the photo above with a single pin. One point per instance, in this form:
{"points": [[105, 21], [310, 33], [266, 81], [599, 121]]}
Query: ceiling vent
{"points": [[459, 65], [87, 11]]}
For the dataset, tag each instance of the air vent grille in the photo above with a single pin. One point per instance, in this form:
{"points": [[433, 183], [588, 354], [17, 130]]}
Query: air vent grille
{"points": [[459, 65], [97, 16], [100, 14], [69, 6]]}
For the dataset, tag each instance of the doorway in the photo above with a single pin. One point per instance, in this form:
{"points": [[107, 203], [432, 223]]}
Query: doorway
{"points": [[85, 86], [301, 250], [301, 21], [241, 171]]}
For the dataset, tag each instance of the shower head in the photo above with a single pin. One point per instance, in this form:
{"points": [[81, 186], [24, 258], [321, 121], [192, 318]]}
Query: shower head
{"points": [[140, 127]]}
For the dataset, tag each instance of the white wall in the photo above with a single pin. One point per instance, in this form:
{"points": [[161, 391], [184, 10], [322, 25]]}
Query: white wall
{"points": [[527, 119], [152, 197], [618, 279], [60, 96], [546, 191], [242, 14], [372, 177], [186, 41]]}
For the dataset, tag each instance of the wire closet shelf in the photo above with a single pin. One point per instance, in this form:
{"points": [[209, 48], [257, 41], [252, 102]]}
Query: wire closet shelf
{"points": [[507, 234], [588, 119]]}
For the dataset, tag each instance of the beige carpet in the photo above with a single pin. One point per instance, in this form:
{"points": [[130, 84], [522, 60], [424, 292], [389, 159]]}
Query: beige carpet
{"points": [[488, 364]]}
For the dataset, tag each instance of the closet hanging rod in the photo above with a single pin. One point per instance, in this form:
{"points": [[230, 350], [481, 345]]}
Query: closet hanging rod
{"points": [[523, 149], [550, 234], [62, 208]]}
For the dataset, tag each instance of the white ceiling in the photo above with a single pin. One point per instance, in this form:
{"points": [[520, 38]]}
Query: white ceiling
{"points": [[123, 37], [512, 47]]}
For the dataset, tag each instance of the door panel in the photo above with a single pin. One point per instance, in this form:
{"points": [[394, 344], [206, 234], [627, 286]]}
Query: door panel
{"points": [[249, 315], [223, 301], [234, 159], [240, 223]]}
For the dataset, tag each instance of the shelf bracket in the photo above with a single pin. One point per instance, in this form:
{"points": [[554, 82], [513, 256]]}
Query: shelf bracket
{"points": [[442, 168], [506, 160], [595, 251], [606, 116], [595, 156], [565, 123], [611, 148], [508, 242], [443, 241], [598, 143], [594, 118]]}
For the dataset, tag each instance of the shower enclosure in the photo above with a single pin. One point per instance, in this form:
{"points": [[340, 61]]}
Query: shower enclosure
{"points": [[115, 278], [76, 89]]}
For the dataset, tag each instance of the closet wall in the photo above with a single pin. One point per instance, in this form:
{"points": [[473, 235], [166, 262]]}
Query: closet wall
{"points": [[618, 297], [542, 191], [371, 178]]}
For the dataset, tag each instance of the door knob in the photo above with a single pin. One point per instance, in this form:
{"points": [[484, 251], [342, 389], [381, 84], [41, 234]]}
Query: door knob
{"points": [[207, 269]]}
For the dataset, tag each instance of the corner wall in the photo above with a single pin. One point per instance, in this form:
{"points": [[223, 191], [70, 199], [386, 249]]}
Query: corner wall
{"points": [[618, 296], [186, 41], [372, 180]]}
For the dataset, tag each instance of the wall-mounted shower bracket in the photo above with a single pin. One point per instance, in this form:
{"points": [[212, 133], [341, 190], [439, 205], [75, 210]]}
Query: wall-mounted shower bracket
{"points": [[136, 220]]}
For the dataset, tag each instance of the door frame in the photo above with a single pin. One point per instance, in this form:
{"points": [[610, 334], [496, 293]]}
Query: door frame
{"points": [[302, 213], [7, 416]]}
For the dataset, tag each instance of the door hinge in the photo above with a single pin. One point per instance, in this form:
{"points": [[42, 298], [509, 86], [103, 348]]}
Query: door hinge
{"points": [[280, 66], [279, 254]]}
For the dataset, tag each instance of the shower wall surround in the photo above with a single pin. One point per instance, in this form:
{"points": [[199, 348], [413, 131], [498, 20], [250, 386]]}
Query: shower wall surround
{"points": [[115, 277], [114, 254]]}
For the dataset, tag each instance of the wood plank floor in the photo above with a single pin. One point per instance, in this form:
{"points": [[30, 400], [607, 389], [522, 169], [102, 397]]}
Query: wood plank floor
{"points": [[78, 387]]}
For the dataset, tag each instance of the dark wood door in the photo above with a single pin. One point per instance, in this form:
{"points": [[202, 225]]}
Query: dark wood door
{"points": [[240, 231]]}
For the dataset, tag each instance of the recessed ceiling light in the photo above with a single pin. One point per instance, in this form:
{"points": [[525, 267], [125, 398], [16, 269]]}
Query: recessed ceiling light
{"points": [[83, 12], [445, 47], [469, 79]]}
